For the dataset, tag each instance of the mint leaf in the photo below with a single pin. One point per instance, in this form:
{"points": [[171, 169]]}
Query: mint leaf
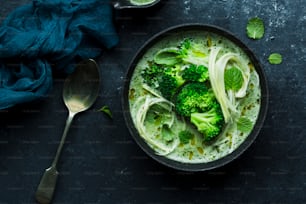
{"points": [[244, 124], [233, 79], [255, 28], [106, 110], [275, 58]]}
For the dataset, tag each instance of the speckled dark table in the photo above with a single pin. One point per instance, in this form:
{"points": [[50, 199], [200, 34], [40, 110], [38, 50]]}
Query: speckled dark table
{"points": [[102, 164]]}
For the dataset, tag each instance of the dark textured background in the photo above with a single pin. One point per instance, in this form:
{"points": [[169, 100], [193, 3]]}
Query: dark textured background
{"points": [[102, 164]]}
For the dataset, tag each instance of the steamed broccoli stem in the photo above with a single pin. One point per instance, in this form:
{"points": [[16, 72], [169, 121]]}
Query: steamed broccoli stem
{"points": [[209, 123]]}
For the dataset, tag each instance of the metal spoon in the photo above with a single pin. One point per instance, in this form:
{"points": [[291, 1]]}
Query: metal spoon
{"points": [[122, 4], [80, 92]]}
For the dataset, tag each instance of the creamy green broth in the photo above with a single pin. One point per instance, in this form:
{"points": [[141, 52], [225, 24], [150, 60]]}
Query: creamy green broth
{"points": [[197, 151]]}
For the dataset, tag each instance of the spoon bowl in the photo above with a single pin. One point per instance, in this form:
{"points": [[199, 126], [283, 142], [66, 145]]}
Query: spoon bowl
{"points": [[82, 86], [80, 91]]}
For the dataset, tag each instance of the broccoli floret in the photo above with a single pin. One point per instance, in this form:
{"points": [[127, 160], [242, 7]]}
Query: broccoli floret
{"points": [[185, 136], [209, 123], [192, 52], [164, 78], [175, 72], [196, 73], [198, 103], [193, 97], [185, 46], [167, 86], [152, 73]]}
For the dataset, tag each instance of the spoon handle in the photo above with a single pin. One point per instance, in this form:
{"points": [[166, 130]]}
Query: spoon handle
{"points": [[47, 183], [46, 186], [62, 142]]}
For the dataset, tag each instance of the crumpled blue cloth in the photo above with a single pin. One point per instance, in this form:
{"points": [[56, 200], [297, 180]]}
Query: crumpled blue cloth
{"points": [[47, 36]]}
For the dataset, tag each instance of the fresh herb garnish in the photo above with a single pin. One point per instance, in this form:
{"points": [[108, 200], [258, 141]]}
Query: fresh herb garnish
{"points": [[106, 110], [255, 28], [244, 124], [275, 58], [233, 79]]}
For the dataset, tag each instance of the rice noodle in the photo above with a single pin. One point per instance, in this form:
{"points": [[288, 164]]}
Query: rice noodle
{"points": [[149, 101], [216, 74]]}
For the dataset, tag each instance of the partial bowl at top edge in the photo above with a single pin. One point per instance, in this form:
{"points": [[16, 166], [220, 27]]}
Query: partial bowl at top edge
{"points": [[180, 30], [127, 4]]}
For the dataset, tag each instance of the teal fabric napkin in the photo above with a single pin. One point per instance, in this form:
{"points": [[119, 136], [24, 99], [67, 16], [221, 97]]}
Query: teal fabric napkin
{"points": [[47, 36]]}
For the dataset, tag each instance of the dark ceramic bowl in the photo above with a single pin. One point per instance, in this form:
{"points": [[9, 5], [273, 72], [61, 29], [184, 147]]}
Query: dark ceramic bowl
{"points": [[199, 166]]}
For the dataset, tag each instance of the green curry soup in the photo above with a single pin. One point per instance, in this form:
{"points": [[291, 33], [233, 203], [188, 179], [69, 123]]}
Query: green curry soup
{"points": [[151, 112]]}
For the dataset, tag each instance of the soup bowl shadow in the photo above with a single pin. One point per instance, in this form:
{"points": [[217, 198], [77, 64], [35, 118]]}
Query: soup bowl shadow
{"points": [[195, 167]]}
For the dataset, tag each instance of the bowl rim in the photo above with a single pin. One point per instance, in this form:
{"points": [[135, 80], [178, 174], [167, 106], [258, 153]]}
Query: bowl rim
{"points": [[195, 166]]}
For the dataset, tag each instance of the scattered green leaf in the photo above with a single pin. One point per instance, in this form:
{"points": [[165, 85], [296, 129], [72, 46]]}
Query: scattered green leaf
{"points": [[275, 58], [244, 124], [106, 110], [233, 79], [255, 28], [185, 136]]}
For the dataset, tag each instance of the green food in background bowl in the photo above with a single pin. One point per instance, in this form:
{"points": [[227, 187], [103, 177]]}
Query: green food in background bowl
{"points": [[142, 2]]}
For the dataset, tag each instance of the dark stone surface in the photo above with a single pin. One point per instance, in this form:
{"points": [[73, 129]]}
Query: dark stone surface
{"points": [[102, 164]]}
